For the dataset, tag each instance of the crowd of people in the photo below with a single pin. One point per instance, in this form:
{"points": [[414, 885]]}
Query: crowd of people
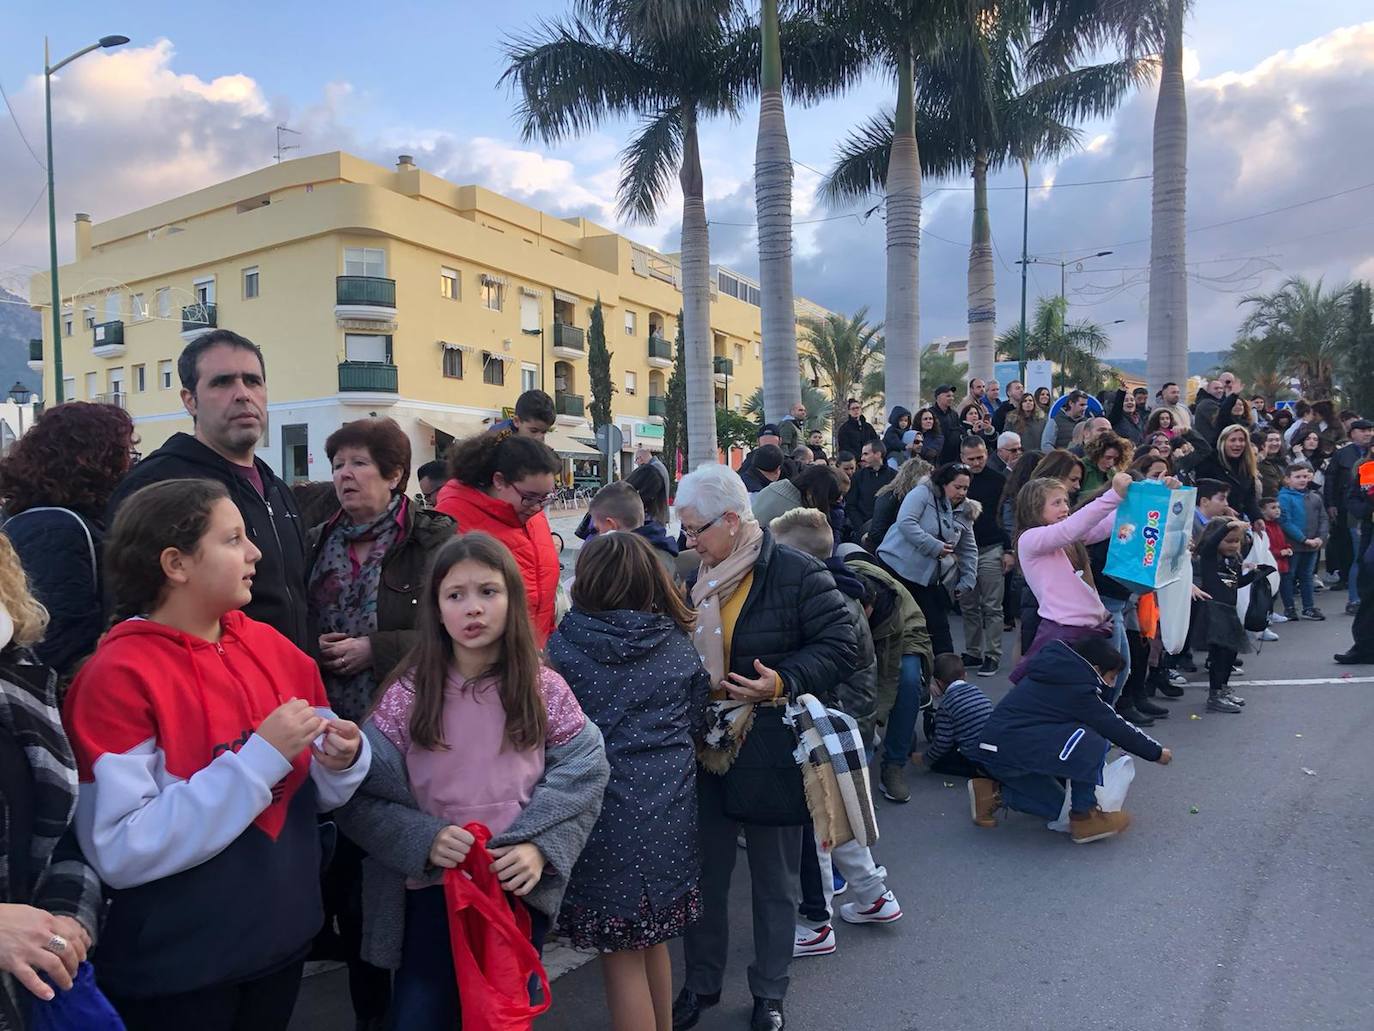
{"points": [[247, 724]]}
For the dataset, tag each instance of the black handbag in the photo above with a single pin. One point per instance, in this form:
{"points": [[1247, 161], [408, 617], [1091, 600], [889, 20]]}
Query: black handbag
{"points": [[764, 784]]}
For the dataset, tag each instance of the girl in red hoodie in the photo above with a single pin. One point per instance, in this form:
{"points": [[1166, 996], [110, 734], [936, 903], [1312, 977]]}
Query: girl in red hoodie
{"points": [[205, 747]]}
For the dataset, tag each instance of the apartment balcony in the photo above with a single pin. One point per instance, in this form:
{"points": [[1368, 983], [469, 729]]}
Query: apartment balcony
{"points": [[569, 404], [368, 383], [660, 352], [36, 354], [117, 398], [370, 300], [723, 369], [108, 340], [658, 407], [197, 319], [569, 341]]}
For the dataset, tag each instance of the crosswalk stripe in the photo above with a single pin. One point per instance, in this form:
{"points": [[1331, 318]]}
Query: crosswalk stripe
{"points": [[1289, 683]]}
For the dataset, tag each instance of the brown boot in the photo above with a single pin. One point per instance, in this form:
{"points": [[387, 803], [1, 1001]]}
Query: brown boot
{"points": [[984, 799], [1094, 825]]}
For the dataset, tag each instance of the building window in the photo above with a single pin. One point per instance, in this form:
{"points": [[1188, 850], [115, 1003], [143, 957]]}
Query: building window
{"points": [[250, 283], [739, 355], [365, 261], [529, 377], [367, 347], [164, 375], [450, 285], [67, 322], [140, 378], [630, 319], [69, 387], [117, 380], [493, 370], [204, 290], [164, 303], [758, 350], [138, 308], [112, 307], [530, 319], [88, 317], [453, 363], [92, 386], [631, 383], [492, 294], [295, 452], [739, 402]]}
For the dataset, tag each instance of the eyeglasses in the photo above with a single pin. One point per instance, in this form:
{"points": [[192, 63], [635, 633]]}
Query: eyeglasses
{"points": [[533, 498], [1013, 450], [693, 534]]}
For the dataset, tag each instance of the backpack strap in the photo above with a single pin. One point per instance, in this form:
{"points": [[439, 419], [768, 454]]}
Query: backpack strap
{"points": [[90, 541]]}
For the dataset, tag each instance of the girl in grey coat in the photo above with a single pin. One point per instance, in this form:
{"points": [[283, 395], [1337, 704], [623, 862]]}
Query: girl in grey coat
{"points": [[933, 528]]}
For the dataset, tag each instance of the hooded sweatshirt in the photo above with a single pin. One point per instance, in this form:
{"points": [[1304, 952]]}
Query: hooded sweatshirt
{"points": [[205, 834], [892, 436]]}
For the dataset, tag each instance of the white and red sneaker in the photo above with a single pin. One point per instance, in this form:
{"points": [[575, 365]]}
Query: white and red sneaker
{"points": [[883, 911], [813, 941]]}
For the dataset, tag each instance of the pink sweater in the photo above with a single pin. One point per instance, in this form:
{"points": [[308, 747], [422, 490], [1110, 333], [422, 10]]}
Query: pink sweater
{"points": [[1060, 590], [479, 776]]}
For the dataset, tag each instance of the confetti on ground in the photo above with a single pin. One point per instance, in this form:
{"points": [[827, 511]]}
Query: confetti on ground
{"points": [[1194, 716], [1297, 735], [1192, 809], [948, 784], [1310, 773]]}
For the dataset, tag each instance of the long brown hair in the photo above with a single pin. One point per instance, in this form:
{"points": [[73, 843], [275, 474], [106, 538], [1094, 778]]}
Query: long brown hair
{"points": [[517, 665], [1030, 513], [619, 571]]}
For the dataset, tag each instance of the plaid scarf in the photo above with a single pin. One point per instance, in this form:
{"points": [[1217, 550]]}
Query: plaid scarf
{"points": [[830, 751]]}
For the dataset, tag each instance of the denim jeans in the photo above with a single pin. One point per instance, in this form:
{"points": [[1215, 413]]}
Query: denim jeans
{"points": [[1302, 566], [1117, 607], [1042, 795], [900, 734]]}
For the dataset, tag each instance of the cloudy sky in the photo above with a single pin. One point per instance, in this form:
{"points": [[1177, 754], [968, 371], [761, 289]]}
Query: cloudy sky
{"points": [[1279, 99]]}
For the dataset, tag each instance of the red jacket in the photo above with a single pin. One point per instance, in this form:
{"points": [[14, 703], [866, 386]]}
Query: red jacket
{"points": [[1278, 544], [531, 543]]}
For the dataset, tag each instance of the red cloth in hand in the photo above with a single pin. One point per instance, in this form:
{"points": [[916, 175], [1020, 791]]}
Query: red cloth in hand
{"points": [[493, 958]]}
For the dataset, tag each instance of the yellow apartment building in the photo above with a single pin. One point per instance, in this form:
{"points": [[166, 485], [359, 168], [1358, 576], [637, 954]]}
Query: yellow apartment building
{"points": [[382, 291]]}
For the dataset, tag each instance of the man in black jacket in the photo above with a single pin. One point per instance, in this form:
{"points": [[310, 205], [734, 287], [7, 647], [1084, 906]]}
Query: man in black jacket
{"points": [[1340, 475], [982, 605], [224, 389], [872, 476], [947, 422], [1015, 390], [855, 431]]}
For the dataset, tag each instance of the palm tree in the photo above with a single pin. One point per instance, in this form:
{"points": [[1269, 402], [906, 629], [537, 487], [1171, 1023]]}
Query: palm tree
{"points": [[670, 65], [1077, 347], [1258, 362], [818, 404], [1307, 328], [1357, 371], [936, 367], [980, 110], [840, 350], [1144, 27]]}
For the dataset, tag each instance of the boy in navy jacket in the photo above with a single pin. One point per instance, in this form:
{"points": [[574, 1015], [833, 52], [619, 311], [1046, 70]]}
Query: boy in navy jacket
{"points": [[1054, 726]]}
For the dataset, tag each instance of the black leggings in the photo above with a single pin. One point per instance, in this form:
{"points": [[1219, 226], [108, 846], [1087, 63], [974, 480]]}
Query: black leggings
{"points": [[1219, 663], [933, 604], [262, 1004]]}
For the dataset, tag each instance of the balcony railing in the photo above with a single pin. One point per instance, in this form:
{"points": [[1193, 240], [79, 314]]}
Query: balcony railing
{"points": [[108, 334], [118, 398], [723, 366], [36, 349], [658, 405], [568, 336], [196, 318], [660, 348], [365, 291], [568, 404], [372, 376]]}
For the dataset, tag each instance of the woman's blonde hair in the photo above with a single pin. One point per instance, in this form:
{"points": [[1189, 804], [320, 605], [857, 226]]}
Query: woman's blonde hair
{"points": [[29, 615], [910, 473], [1246, 465]]}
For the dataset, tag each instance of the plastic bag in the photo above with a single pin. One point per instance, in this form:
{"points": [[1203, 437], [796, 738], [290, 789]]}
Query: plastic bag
{"points": [[82, 1008], [493, 958], [1111, 793]]}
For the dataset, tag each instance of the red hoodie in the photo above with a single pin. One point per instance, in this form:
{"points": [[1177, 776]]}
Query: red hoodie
{"points": [[205, 831], [1278, 544]]}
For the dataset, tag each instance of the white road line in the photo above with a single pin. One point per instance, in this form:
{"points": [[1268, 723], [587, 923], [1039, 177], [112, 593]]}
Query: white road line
{"points": [[1290, 683]]}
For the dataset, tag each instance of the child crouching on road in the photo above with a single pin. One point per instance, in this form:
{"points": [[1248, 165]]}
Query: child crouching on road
{"points": [[961, 712], [1055, 725], [205, 749]]}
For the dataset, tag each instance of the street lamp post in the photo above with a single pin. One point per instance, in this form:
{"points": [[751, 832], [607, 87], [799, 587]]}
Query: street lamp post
{"points": [[49, 70], [21, 396], [1025, 262]]}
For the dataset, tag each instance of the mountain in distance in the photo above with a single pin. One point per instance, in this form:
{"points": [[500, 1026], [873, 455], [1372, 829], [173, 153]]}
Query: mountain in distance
{"points": [[18, 325], [1199, 363]]}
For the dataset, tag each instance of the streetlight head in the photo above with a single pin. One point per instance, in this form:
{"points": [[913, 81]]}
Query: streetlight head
{"points": [[113, 41], [20, 394], [1101, 254]]}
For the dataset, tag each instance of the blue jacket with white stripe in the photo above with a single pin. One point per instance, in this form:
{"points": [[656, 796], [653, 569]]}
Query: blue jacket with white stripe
{"points": [[1056, 721]]}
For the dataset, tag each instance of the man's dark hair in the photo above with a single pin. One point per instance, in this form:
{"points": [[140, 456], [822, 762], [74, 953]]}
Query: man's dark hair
{"points": [[948, 668], [188, 365], [1099, 652], [844, 456], [535, 404], [1166, 386], [1140, 390], [1076, 395], [767, 458], [1211, 488], [972, 443], [435, 470], [1268, 499], [851, 401]]}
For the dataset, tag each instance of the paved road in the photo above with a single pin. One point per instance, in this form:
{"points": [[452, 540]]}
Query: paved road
{"points": [[1254, 913]]}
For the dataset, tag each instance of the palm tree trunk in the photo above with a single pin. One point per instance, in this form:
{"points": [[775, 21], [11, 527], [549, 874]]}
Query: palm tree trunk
{"points": [[902, 375], [1167, 335], [696, 300], [773, 204], [982, 289]]}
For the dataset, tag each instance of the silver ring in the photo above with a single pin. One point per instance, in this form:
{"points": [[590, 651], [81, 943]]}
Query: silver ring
{"points": [[56, 944]]}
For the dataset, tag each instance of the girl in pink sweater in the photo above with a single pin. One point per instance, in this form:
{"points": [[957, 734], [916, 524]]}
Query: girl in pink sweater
{"points": [[1051, 550]]}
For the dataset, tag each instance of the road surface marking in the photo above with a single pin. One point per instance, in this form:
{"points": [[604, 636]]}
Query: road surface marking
{"points": [[1289, 683]]}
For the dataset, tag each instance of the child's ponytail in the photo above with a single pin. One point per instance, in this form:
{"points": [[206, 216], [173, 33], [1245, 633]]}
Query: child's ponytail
{"points": [[476, 460]]}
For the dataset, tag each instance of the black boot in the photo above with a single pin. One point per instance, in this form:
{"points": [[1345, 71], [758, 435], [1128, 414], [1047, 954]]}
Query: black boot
{"points": [[1131, 714], [1158, 681], [687, 1008], [767, 1015]]}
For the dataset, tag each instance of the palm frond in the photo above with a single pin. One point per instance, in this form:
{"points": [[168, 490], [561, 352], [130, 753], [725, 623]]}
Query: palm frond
{"points": [[861, 161], [647, 165]]}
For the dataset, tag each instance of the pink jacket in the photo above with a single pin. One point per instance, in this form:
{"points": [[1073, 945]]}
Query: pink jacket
{"points": [[1058, 587]]}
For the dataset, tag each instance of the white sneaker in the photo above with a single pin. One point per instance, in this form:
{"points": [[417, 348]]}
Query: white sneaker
{"points": [[1277, 617], [884, 911], [1266, 635], [810, 942]]}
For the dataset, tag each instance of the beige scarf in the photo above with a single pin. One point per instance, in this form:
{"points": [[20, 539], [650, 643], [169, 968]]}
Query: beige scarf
{"points": [[728, 720]]}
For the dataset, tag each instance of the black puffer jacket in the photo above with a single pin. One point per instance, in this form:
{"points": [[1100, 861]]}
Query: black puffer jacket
{"points": [[892, 436], [853, 434], [60, 552], [1244, 496], [859, 691]]}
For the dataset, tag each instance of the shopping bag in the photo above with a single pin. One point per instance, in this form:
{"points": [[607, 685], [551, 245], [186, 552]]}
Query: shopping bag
{"points": [[1149, 543], [1111, 793], [493, 958], [83, 1007], [1175, 613]]}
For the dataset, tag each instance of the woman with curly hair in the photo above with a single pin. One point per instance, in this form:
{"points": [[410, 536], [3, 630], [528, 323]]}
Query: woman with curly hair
{"points": [[1103, 457], [55, 484]]}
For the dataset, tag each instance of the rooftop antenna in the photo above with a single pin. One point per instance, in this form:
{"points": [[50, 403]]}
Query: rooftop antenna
{"points": [[282, 148]]}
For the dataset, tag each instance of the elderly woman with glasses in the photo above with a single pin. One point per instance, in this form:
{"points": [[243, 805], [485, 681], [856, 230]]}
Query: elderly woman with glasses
{"points": [[771, 625], [500, 483]]}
